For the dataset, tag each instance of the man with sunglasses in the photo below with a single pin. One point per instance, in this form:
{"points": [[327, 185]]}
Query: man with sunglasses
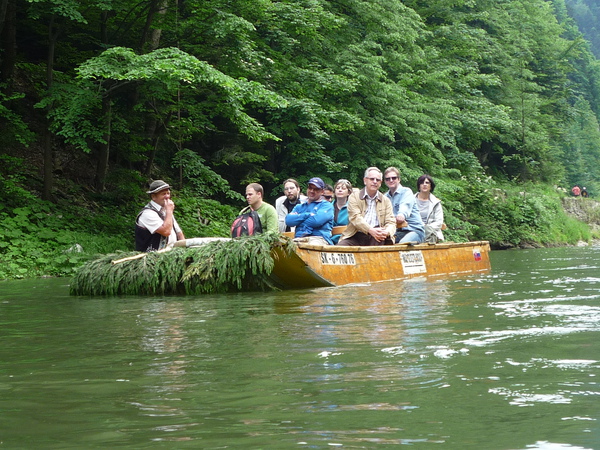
{"points": [[328, 193], [313, 219], [409, 224], [370, 214]]}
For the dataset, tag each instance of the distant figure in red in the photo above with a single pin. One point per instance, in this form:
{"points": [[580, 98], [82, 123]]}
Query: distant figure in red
{"points": [[584, 192], [576, 191]]}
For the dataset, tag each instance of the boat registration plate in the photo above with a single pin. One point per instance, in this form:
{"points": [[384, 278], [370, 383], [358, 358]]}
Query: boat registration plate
{"points": [[413, 262], [338, 259]]}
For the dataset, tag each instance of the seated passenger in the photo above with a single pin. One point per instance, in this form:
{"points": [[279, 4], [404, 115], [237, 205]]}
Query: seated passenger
{"points": [[370, 215], [342, 190], [328, 193], [313, 219], [266, 212], [431, 210], [285, 204], [408, 217]]}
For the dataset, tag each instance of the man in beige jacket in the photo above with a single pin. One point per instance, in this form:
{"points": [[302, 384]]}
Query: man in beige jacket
{"points": [[371, 218]]}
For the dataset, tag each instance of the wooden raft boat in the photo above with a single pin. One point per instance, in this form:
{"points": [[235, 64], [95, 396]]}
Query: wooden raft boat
{"points": [[212, 265], [312, 266]]}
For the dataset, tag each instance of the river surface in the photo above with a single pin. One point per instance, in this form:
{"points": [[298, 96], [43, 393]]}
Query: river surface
{"points": [[508, 359]]}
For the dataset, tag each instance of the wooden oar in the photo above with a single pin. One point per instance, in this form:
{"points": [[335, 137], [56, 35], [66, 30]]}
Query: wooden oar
{"points": [[405, 224], [140, 255], [340, 229], [193, 242], [335, 230]]}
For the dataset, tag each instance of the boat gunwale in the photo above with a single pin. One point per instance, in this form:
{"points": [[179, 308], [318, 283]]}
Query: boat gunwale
{"points": [[388, 248]]}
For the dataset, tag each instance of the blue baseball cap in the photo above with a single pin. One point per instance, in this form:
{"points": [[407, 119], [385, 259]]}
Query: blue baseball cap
{"points": [[316, 181]]}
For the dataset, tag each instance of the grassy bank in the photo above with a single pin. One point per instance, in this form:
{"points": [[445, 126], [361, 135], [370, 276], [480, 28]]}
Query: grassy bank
{"points": [[511, 215]]}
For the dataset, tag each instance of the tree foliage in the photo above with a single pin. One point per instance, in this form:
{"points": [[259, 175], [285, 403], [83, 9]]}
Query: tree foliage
{"points": [[587, 15], [263, 90]]}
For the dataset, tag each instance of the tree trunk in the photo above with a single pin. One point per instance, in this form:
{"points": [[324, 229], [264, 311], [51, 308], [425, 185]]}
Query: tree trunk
{"points": [[104, 27], [146, 29], [8, 39], [3, 7], [154, 40], [151, 38], [151, 156], [104, 153], [47, 141]]}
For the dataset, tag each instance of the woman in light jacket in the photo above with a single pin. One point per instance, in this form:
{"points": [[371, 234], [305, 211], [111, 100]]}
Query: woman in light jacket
{"points": [[431, 209]]}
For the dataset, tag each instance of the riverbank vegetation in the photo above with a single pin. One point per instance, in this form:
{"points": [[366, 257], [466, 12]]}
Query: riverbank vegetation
{"points": [[498, 100]]}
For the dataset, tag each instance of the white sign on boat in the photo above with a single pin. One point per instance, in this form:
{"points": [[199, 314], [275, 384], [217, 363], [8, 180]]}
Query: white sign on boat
{"points": [[413, 262]]}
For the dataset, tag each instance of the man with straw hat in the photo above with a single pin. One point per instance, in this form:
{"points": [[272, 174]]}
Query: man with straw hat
{"points": [[155, 225]]}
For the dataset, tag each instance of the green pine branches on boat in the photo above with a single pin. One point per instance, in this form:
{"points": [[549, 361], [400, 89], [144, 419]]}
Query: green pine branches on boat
{"points": [[219, 266]]}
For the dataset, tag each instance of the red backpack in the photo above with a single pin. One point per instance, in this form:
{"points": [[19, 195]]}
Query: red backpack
{"points": [[246, 224]]}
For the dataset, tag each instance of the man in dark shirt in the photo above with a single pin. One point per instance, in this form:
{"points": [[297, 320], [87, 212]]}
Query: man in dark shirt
{"points": [[285, 204], [155, 225]]}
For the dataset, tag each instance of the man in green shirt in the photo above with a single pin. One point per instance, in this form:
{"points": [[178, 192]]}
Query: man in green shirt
{"points": [[266, 212]]}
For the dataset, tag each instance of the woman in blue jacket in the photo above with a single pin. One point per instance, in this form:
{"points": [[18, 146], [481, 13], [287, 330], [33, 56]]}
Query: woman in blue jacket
{"points": [[342, 190]]}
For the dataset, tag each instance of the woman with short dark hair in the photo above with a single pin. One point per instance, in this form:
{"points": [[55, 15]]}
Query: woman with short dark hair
{"points": [[431, 209]]}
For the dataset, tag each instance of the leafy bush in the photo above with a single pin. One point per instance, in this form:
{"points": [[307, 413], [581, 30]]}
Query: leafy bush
{"points": [[199, 217], [40, 239], [508, 215]]}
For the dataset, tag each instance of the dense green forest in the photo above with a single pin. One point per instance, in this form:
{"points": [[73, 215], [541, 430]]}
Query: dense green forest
{"points": [[499, 100], [587, 16]]}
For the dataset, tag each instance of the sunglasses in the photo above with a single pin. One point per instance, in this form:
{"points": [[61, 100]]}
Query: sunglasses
{"points": [[328, 197], [391, 178]]}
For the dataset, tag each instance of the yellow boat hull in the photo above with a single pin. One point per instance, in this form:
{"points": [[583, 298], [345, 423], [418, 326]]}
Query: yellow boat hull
{"points": [[319, 266]]}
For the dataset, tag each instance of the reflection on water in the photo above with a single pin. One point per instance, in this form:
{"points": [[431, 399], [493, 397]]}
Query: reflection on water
{"points": [[503, 360]]}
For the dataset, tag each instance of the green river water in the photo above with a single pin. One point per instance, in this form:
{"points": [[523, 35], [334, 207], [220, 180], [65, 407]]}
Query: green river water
{"points": [[508, 359]]}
